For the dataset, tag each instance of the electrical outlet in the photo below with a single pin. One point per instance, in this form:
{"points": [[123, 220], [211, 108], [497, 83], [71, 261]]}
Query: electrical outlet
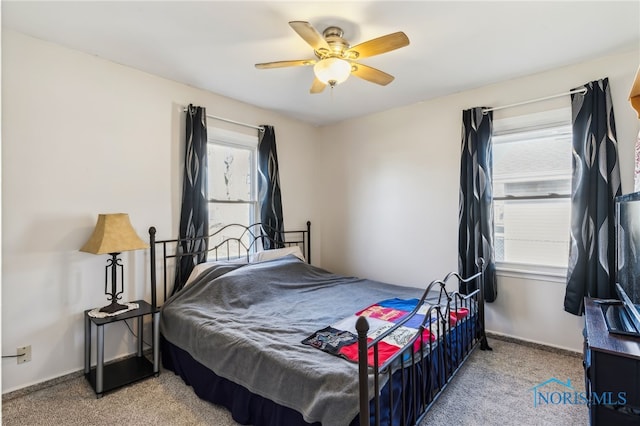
{"points": [[24, 354]]}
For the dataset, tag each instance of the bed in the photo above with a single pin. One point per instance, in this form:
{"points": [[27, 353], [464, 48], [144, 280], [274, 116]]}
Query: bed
{"points": [[278, 341]]}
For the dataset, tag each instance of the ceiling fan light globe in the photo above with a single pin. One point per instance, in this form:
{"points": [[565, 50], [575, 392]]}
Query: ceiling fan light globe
{"points": [[332, 70]]}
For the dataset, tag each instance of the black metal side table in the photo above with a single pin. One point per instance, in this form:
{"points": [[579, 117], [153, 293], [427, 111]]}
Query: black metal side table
{"points": [[104, 378]]}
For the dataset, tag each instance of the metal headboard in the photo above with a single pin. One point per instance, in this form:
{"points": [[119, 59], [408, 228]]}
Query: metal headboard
{"points": [[245, 241]]}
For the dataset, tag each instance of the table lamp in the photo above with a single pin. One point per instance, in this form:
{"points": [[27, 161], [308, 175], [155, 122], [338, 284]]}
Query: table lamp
{"points": [[112, 235]]}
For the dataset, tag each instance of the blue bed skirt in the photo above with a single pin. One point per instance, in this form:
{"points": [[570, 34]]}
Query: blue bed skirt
{"points": [[248, 408]]}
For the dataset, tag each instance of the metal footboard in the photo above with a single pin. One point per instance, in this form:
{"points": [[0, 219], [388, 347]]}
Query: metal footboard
{"points": [[422, 369]]}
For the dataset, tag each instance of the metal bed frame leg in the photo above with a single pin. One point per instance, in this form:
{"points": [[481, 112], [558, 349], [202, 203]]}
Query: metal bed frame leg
{"points": [[362, 326]]}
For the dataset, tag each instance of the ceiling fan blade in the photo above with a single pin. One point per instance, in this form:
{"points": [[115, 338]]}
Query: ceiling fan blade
{"points": [[282, 64], [310, 35], [317, 86], [379, 45], [371, 74]]}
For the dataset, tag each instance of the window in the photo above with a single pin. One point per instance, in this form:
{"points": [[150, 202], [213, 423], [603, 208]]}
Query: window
{"points": [[532, 169], [232, 186]]}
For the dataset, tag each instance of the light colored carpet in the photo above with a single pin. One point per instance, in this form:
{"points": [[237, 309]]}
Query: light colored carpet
{"points": [[493, 388], [496, 388]]}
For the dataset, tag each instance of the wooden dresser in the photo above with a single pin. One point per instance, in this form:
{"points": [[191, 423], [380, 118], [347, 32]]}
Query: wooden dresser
{"points": [[612, 371]]}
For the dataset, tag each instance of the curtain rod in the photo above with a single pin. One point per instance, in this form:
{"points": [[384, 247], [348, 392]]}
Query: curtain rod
{"points": [[227, 120], [582, 90]]}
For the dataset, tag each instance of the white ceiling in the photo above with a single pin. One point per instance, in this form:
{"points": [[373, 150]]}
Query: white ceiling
{"points": [[213, 45]]}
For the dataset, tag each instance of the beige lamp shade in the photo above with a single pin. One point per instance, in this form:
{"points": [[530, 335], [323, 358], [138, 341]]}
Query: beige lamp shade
{"points": [[113, 234], [634, 96]]}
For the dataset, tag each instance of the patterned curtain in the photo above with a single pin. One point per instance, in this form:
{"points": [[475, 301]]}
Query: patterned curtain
{"points": [[475, 217], [269, 190], [595, 184], [194, 217]]}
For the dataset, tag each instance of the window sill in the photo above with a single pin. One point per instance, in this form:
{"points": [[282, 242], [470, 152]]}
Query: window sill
{"points": [[532, 272]]}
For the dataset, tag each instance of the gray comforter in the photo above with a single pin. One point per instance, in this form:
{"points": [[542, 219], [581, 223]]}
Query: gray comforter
{"points": [[246, 324]]}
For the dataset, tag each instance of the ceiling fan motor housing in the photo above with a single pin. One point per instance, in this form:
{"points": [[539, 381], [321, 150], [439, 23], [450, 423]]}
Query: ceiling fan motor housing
{"points": [[338, 45]]}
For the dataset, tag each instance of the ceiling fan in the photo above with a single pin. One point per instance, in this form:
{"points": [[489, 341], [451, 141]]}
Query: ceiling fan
{"points": [[336, 60]]}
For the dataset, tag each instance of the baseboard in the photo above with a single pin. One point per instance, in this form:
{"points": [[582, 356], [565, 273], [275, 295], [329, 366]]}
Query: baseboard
{"points": [[61, 379], [42, 385], [536, 345]]}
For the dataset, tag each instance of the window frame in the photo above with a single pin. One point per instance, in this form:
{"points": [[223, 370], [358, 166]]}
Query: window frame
{"points": [[556, 118], [223, 137]]}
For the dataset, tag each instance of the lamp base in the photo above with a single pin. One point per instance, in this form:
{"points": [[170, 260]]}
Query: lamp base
{"points": [[113, 307]]}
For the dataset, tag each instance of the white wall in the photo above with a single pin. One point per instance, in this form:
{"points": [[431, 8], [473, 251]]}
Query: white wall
{"points": [[83, 136], [391, 193]]}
